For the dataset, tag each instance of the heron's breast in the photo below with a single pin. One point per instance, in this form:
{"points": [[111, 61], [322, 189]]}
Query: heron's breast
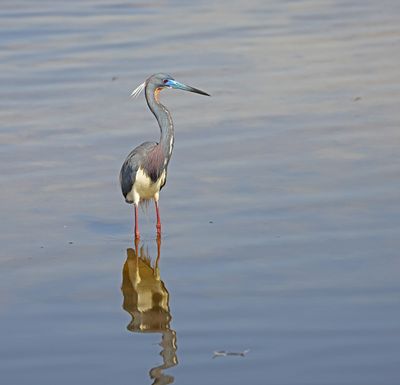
{"points": [[145, 187]]}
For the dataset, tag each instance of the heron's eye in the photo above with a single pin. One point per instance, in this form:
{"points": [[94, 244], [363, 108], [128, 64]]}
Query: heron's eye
{"points": [[165, 81]]}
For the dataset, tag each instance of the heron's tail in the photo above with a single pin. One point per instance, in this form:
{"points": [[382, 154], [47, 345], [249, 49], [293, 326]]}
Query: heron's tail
{"points": [[144, 204]]}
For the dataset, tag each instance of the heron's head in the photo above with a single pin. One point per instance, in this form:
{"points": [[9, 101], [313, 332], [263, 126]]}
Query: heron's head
{"points": [[160, 81]]}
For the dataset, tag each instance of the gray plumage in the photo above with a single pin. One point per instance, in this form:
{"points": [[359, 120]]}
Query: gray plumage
{"points": [[131, 165], [144, 172]]}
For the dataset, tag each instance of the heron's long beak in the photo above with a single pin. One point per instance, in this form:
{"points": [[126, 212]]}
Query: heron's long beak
{"points": [[184, 87]]}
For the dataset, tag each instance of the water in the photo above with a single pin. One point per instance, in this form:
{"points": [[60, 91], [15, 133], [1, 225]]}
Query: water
{"points": [[281, 215]]}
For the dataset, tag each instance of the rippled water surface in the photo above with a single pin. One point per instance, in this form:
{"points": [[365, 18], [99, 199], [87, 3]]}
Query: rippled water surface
{"points": [[281, 212]]}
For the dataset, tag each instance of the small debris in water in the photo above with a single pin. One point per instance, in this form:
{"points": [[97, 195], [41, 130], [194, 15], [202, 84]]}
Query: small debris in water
{"points": [[210, 222], [224, 353], [114, 78], [71, 243], [357, 98]]}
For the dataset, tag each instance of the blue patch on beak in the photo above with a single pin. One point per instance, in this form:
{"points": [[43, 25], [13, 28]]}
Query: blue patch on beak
{"points": [[174, 84], [180, 86]]}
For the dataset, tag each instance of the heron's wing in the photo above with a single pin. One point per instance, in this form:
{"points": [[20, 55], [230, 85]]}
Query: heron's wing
{"points": [[132, 163]]}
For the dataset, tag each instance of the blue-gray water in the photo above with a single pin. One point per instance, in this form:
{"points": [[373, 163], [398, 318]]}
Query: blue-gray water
{"points": [[281, 212]]}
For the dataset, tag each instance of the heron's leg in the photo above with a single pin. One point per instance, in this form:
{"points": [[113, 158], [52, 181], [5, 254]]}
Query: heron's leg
{"points": [[158, 219], [156, 269], [137, 240], [137, 234]]}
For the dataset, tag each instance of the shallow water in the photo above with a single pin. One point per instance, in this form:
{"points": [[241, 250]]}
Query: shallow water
{"points": [[281, 212]]}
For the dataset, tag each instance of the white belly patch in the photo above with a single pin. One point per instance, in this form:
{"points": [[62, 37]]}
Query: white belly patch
{"points": [[144, 187]]}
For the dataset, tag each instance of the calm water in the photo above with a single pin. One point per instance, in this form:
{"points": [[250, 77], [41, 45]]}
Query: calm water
{"points": [[281, 212]]}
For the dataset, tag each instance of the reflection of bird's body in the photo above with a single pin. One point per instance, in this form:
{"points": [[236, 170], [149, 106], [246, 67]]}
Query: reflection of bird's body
{"points": [[146, 299], [145, 295], [144, 171]]}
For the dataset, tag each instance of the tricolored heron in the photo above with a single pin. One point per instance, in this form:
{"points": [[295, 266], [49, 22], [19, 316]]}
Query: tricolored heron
{"points": [[144, 171]]}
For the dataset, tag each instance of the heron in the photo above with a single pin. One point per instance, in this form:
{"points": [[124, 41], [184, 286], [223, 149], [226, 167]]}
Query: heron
{"points": [[144, 172]]}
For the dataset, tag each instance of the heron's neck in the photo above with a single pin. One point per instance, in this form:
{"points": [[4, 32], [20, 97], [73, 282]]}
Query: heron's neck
{"points": [[164, 120]]}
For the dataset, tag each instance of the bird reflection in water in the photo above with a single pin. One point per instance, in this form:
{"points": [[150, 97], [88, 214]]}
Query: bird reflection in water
{"points": [[146, 299]]}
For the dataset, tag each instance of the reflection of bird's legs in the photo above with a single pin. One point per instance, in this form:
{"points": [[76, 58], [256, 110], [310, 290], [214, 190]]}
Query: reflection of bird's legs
{"points": [[158, 219], [137, 234]]}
